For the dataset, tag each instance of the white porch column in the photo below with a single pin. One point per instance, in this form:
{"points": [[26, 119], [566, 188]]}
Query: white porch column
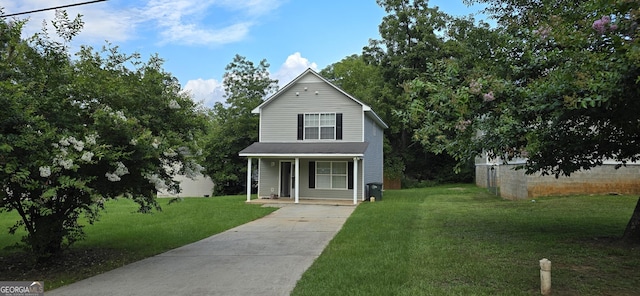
{"points": [[355, 180], [297, 182], [248, 179]]}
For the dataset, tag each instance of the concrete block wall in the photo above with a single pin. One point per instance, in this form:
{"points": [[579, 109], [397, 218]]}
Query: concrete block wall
{"points": [[481, 175], [604, 179], [513, 183]]}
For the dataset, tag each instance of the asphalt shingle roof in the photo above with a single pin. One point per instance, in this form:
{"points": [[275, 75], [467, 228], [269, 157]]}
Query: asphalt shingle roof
{"points": [[316, 148]]}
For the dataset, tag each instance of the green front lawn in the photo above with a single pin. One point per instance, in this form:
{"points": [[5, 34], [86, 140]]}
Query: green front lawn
{"points": [[123, 236], [459, 240], [447, 240]]}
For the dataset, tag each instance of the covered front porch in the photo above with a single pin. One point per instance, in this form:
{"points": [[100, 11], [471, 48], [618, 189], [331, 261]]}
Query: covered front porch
{"points": [[288, 201], [307, 171]]}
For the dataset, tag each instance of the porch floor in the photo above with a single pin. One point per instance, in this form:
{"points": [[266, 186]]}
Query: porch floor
{"points": [[291, 201]]}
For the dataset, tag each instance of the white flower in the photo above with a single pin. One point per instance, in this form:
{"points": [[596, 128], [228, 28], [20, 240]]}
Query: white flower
{"points": [[64, 141], [78, 145], [155, 143], [66, 163], [91, 139], [120, 115], [121, 170], [86, 157], [112, 177], [173, 104], [170, 153], [45, 171], [133, 141]]}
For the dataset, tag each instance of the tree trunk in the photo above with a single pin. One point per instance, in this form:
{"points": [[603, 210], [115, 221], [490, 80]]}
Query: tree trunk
{"points": [[47, 238], [632, 232]]}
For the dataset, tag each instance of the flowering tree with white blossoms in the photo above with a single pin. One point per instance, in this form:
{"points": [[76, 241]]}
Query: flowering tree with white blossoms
{"points": [[76, 131]]}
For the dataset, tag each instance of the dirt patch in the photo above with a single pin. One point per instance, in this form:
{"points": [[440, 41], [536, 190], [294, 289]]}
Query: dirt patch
{"points": [[72, 265]]}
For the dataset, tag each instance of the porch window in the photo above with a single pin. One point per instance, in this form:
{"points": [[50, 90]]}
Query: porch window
{"points": [[331, 175]]}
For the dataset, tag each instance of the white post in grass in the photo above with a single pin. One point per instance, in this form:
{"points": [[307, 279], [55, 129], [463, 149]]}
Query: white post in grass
{"points": [[248, 179], [545, 276]]}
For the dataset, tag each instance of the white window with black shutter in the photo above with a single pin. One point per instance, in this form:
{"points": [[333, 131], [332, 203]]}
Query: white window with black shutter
{"points": [[320, 126], [331, 174]]}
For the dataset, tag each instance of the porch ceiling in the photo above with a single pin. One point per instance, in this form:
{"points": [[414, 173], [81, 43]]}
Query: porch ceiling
{"points": [[317, 149]]}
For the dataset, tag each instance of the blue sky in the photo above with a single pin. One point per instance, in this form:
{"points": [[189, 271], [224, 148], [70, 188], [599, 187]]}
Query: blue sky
{"points": [[198, 38]]}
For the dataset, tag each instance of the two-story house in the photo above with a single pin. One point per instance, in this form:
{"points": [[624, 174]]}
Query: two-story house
{"points": [[316, 142]]}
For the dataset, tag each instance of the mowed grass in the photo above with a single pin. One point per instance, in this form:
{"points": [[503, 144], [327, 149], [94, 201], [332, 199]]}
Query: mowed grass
{"points": [[123, 236], [460, 240]]}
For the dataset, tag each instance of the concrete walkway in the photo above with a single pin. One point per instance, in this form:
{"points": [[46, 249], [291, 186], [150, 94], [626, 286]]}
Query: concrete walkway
{"points": [[263, 257]]}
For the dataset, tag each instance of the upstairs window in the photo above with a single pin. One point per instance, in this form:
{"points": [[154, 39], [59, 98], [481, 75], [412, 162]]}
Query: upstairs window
{"points": [[320, 126]]}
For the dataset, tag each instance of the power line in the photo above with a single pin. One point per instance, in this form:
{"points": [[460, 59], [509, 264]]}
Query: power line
{"points": [[52, 8]]}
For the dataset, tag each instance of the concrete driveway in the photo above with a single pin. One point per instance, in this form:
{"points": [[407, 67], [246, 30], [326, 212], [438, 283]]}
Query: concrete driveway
{"points": [[263, 257]]}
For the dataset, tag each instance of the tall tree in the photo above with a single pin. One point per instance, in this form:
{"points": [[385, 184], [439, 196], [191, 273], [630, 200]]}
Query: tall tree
{"points": [[75, 132], [411, 41], [233, 127], [562, 92], [362, 80]]}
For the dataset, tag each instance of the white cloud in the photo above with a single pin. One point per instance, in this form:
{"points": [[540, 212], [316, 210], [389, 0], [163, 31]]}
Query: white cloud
{"points": [[102, 21], [184, 22], [192, 35], [292, 67], [252, 7], [208, 92]]}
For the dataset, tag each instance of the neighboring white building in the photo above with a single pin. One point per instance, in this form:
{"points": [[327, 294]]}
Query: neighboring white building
{"points": [[202, 186]]}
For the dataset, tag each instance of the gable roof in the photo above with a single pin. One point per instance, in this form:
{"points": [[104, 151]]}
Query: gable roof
{"points": [[366, 108]]}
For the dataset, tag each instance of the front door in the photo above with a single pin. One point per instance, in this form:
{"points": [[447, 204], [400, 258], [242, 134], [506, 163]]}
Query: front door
{"points": [[287, 179]]}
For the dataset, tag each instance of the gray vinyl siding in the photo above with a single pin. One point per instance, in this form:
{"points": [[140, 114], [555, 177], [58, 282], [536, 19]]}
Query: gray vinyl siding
{"points": [[268, 177], [373, 157], [279, 121]]}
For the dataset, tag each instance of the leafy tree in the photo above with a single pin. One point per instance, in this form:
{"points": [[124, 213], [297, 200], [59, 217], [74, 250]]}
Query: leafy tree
{"points": [[562, 91], [412, 41], [362, 80], [75, 132], [442, 107], [233, 127]]}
